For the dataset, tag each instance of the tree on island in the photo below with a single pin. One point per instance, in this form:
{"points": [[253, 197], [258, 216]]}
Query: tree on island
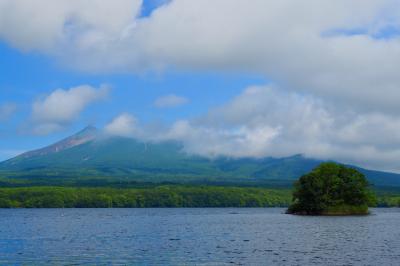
{"points": [[332, 189]]}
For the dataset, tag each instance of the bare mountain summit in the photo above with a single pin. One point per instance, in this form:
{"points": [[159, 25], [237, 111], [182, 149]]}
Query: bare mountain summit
{"points": [[87, 134]]}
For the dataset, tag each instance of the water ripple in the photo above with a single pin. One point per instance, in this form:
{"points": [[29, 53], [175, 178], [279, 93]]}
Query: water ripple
{"points": [[196, 236]]}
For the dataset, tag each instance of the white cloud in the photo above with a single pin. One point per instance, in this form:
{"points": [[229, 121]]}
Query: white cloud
{"points": [[267, 121], [274, 122], [45, 25], [123, 125], [284, 40], [210, 141], [262, 121], [52, 112], [7, 110], [338, 92], [169, 101]]}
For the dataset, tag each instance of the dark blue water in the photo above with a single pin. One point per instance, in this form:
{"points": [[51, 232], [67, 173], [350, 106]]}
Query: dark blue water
{"points": [[196, 236]]}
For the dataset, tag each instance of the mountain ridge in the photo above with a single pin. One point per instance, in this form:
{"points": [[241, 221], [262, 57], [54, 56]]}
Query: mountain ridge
{"points": [[85, 135], [89, 153]]}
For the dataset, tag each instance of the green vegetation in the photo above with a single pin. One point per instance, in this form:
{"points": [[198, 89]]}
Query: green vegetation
{"points": [[160, 196], [389, 201], [153, 195], [87, 191], [332, 189], [388, 197]]}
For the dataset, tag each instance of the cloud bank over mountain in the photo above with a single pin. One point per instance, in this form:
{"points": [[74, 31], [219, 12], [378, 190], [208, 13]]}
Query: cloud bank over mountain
{"points": [[267, 121]]}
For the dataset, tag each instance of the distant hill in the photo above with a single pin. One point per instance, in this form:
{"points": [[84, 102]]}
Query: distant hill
{"points": [[91, 154]]}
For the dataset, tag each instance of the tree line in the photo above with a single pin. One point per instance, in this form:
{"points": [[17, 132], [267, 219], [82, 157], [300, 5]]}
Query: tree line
{"points": [[158, 196], [162, 196]]}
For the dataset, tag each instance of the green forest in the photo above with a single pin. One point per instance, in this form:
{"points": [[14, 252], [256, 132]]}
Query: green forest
{"points": [[162, 196], [332, 189], [157, 196]]}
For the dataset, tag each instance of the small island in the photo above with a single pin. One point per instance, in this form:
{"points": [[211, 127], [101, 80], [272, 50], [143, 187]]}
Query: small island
{"points": [[332, 189]]}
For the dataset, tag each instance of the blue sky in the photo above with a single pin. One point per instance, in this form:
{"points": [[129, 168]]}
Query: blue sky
{"points": [[318, 78], [26, 77]]}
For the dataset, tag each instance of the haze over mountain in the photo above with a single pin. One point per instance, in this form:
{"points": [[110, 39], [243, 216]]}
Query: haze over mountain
{"points": [[90, 153]]}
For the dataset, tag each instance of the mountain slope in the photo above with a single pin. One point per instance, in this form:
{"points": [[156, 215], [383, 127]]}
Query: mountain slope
{"points": [[89, 153], [87, 134]]}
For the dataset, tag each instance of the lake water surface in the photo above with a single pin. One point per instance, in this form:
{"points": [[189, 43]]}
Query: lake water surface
{"points": [[196, 237]]}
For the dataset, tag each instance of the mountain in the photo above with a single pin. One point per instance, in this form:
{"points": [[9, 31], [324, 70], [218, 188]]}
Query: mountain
{"points": [[91, 154], [87, 134]]}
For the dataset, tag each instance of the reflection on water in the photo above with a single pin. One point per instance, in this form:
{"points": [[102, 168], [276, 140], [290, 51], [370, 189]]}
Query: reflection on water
{"points": [[196, 236]]}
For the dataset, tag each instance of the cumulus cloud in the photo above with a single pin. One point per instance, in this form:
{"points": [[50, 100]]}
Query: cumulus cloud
{"points": [[334, 63], [269, 121], [7, 110], [213, 142], [169, 101], [124, 125], [52, 112], [262, 121], [336, 49], [46, 25]]}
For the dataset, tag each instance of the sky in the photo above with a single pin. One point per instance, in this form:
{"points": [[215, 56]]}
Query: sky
{"points": [[232, 78]]}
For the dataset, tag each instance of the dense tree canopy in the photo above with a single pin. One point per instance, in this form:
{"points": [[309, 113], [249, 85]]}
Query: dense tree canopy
{"points": [[160, 196], [331, 189], [157, 196]]}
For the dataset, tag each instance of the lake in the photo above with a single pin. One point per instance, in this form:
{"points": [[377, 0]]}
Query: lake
{"points": [[204, 236]]}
